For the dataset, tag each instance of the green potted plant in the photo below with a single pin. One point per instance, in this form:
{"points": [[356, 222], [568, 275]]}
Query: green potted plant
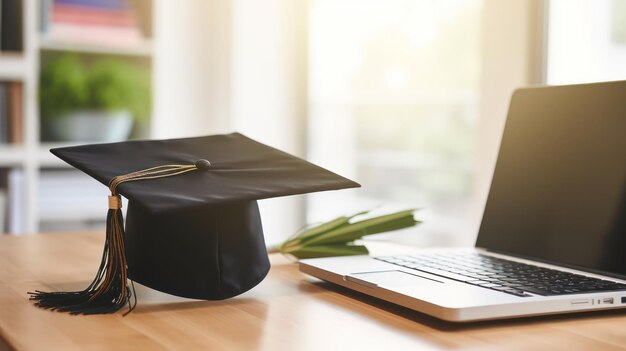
{"points": [[96, 102]]}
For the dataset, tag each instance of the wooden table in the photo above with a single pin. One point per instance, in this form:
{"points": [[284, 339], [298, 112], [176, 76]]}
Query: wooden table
{"points": [[287, 311]]}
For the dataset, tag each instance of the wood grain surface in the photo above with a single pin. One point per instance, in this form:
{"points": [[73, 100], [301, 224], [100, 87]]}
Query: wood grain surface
{"points": [[287, 311]]}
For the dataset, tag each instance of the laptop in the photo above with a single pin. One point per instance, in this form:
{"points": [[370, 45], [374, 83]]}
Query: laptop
{"points": [[553, 234]]}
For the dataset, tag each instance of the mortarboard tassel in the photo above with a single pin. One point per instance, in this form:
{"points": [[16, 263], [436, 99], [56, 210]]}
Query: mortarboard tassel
{"points": [[109, 291]]}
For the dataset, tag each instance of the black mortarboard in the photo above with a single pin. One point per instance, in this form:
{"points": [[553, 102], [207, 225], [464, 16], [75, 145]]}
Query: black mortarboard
{"points": [[193, 227]]}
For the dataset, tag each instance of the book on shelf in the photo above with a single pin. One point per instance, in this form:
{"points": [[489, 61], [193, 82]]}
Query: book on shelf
{"points": [[3, 211], [4, 111], [11, 25], [17, 195], [11, 113], [16, 113], [4, 198], [116, 23]]}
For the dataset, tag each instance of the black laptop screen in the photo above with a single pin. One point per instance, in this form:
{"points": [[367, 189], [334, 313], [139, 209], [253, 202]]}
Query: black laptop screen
{"points": [[558, 192]]}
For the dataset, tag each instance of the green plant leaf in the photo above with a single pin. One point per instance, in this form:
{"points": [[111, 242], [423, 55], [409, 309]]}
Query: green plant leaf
{"points": [[329, 250], [343, 235], [353, 231], [320, 229], [336, 237], [63, 86], [70, 82]]}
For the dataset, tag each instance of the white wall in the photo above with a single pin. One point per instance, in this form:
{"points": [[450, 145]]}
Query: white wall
{"points": [[269, 99], [513, 43], [237, 65], [191, 68]]}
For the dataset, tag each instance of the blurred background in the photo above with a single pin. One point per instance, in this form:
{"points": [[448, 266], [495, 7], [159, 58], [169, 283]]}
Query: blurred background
{"points": [[407, 97]]}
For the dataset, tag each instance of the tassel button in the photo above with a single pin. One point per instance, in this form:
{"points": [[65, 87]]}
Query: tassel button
{"points": [[203, 165], [115, 202]]}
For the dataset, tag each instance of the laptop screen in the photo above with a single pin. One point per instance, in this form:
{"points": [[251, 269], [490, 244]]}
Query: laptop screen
{"points": [[558, 192]]}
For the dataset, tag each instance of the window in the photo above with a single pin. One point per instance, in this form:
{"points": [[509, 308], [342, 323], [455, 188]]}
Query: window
{"points": [[586, 41], [394, 101]]}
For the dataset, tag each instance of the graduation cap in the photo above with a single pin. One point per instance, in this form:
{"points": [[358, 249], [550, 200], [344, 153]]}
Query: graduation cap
{"points": [[193, 227]]}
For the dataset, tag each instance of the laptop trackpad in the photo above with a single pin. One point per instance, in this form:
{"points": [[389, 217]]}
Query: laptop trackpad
{"points": [[389, 279]]}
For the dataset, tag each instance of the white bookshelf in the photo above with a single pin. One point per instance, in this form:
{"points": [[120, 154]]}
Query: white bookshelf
{"points": [[12, 66], [12, 156], [142, 49], [25, 164]]}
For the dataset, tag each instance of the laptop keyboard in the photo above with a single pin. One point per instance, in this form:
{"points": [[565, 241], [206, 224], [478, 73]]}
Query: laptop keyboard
{"points": [[511, 277]]}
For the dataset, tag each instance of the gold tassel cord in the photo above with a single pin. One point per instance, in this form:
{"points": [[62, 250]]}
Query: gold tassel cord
{"points": [[109, 291]]}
